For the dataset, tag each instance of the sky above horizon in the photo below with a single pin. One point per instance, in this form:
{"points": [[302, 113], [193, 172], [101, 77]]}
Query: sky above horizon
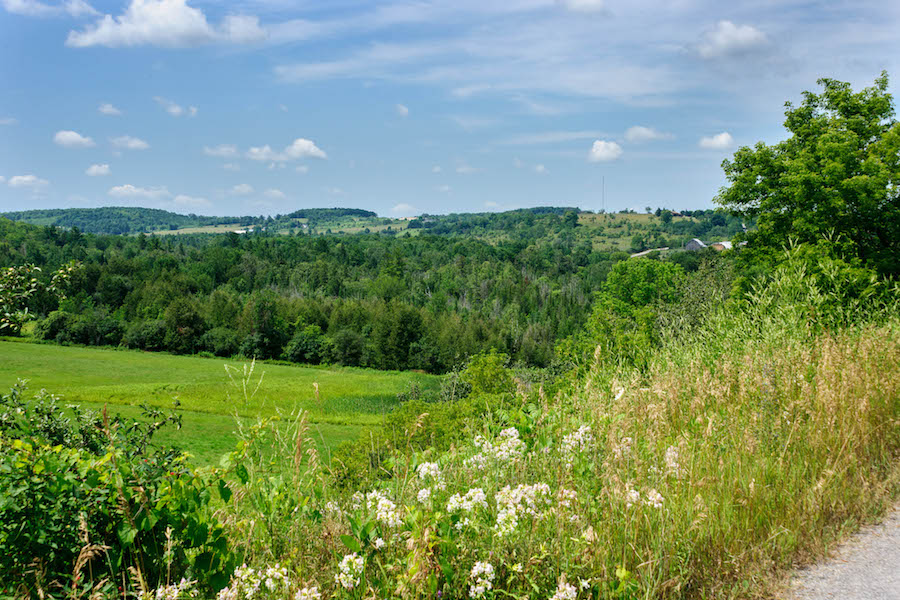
{"points": [[408, 107]]}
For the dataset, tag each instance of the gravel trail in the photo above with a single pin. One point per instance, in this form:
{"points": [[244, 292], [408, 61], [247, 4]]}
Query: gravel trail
{"points": [[866, 567]]}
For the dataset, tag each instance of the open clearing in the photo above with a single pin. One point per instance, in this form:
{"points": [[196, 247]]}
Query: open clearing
{"points": [[345, 402]]}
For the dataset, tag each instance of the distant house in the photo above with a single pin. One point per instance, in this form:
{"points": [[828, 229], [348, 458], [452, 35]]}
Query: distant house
{"points": [[695, 244], [720, 246]]}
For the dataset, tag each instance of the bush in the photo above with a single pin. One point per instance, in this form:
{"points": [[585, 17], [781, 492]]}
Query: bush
{"points": [[146, 335], [221, 341], [54, 327], [306, 346]]}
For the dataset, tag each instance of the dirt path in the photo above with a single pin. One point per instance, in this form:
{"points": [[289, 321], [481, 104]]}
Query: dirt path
{"points": [[866, 567]]}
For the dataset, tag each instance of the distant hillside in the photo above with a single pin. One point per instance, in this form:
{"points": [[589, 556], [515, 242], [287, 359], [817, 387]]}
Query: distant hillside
{"points": [[131, 220]]}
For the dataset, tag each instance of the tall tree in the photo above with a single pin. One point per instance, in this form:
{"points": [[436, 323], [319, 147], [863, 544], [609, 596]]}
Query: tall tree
{"points": [[837, 175]]}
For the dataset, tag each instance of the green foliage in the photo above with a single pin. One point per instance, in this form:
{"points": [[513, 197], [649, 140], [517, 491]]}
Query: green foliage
{"points": [[307, 346], [85, 499], [19, 286], [487, 373], [838, 174]]}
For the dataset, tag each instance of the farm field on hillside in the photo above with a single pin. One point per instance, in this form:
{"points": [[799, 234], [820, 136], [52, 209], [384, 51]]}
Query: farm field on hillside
{"points": [[347, 399]]}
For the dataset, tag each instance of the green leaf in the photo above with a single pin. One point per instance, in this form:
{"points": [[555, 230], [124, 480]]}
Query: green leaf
{"points": [[351, 542], [224, 491]]}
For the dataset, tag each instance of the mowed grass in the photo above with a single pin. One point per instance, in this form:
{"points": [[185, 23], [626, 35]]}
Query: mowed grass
{"points": [[341, 402]]}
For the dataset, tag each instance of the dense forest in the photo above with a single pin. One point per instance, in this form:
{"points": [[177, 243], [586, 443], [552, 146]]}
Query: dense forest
{"points": [[518, 282]]}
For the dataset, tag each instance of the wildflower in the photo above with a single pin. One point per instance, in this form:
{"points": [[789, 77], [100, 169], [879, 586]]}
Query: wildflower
{"points": [[521, 500], [672, 465], [351, 569], [565, 591], [424, 495], [431, 471], [654, 499], [576, 443], [483, 575], [379, 543], [308, 594], [566, 498], [632, 497], [385, 510], [517, 568], [333, 509], [356, 500], [584, 583], [472, 499], [507, 448]]}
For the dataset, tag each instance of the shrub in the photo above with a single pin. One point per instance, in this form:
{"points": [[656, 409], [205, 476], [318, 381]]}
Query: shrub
{"points": [[306, 346], [221, 341], [146, 335]]}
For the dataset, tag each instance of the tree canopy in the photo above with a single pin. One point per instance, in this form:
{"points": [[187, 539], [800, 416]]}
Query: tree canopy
{"points": [[838, 175]]}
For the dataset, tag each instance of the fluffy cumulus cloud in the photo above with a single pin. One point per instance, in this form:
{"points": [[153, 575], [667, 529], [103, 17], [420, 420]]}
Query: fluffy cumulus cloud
{"points": [[720, 141], [98, 170], [176, 110], [35, 8], [126, 142], [108, 109], [604, 151], [639, 133], [221, 151], [167, 23], [7, 121], [242, 189], [27, 181], [730, 39], [404, 210], [402, 110], [130, 191], [299, 149], [541, 169], [72, 139], [275, 193]]}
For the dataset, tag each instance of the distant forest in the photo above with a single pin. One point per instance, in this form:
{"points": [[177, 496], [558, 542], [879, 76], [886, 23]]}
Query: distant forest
{"points": [[519, 282]]}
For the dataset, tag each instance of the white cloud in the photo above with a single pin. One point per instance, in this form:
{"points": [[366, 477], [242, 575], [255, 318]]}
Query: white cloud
{"points": [[72, 139], [444, 189], [185, 201], [275, 193], [720, 141], [603, 151], [8, 121], [550, 137], [175, 109], [130, 191], [231, 167], [334, 191], [35, 8], [302, 168], [98, 170], [403, 209], [541, 169], [242, 189], [471, 123], [300, 148], [730, 39], [2, 178], [402, 110], [639, 133], [168, 23], [517, 163], [129, 143], [584, 6], [27, 181], [109, 109], [465, 169], [436, 169], [222, 150]]}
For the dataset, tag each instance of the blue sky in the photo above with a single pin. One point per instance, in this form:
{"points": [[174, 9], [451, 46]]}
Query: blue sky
{"points": [[267, 106]]}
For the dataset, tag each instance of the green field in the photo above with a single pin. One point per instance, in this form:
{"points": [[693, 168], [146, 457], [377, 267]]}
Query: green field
{"points": [[346, 401]]}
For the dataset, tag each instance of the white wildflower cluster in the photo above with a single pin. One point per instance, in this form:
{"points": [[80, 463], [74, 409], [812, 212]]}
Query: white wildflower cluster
{"points": [[385, 510], [473, 499], [379, 543], [351, 570], [483, 577], [356, 500], [429, 473], [247, 582], [623, 448], [184, 589], [566, 498], [308, 593], [564, 591], [513, 503], [654, 499], [576, 443], [333, 510], [673, 467], [508, 447]]}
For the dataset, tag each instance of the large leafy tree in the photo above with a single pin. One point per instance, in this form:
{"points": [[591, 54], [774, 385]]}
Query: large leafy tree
{"points": [[837, 176]]}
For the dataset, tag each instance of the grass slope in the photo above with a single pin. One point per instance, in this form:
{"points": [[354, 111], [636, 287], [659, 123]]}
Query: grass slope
{"points": [[340, 401]]}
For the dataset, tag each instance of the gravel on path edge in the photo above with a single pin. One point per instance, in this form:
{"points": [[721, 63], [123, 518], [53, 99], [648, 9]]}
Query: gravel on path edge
{"points": [[865, 567]]}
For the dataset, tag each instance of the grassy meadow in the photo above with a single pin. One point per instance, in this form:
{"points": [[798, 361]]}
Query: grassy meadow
{"points": [[340, 401]]}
